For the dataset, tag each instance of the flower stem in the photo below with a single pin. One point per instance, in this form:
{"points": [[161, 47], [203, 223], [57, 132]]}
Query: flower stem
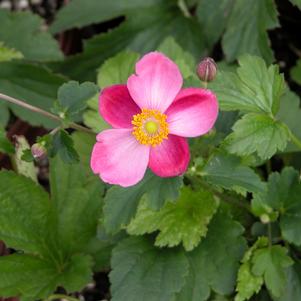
{"points": [[60, 296], [35, 109], [295, 140]]}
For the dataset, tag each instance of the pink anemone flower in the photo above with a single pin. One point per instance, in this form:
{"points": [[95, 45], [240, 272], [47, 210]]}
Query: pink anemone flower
{"points": [[151, 118]]}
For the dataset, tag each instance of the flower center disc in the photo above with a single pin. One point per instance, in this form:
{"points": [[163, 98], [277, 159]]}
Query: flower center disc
{"points": [[150, 127]]}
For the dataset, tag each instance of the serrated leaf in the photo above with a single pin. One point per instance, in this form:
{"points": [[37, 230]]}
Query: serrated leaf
{"points": [[121, 203], [8, 54], [78, 14], [283, 194], [271, 263], [34, 278], [33, 84], [116, 70], [33, 43], [253, 88], [23, 224], [142, 32], [6, 146], [72, 97], [142, 272], [62, 145], [78, 201], [247, 283], [257, 133], [246, 30], [184, 221], [214, 263], [290, 114], [228, 172], [293, 283]]}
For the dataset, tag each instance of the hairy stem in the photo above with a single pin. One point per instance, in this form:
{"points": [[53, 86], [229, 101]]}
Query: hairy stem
{"points": [[35, 109], [60, 296], [183, 6]]}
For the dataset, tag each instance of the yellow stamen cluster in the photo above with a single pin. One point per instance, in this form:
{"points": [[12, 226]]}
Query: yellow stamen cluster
{"points": [[150, 127]]}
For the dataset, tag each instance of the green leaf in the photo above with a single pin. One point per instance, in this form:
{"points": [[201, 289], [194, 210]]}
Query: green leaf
{"points": [[62, 144], [142, 272], [183, 59], [257, 133], [4, 114], [213, 16], [295, 72], [246, 30], [26, 275], [253, 88], [293, 283], [6, 146], [271, 263], [228, 172], [214, 263], [247, 283], [8, 54], [142, 32], [24, 168], [33, 278], [33, 84], [72, 97], [184, 221], [78, 13], [117, 69], [290, 114], [78, 201], [25, 209], [283, 194], [297, 3], [34, 43], [121, 203]]}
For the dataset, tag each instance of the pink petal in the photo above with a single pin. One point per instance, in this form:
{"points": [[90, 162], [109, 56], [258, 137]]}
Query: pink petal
{"points": [[193, 113], [156, 83], [118, 157], [117, 107], [170, 158]]}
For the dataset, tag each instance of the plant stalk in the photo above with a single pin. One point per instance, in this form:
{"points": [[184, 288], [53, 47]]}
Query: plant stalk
{"points": [[295, 140], [35, 109]]}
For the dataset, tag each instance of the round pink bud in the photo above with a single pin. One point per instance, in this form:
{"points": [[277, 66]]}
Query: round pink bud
{"points": [[38, 151], [206, 69]]}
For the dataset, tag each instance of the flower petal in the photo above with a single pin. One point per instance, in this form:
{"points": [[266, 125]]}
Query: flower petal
{"points": [[193, 113], [156, 83], [170, 158], [118, 157], [117, 107]]}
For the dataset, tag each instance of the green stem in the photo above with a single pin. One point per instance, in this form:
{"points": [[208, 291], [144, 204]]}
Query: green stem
{"points": [[35, 109], [270, 235], [60, 296], [295, 140], [184, 8]]}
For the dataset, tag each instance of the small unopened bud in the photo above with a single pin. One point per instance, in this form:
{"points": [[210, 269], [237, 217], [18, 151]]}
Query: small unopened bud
{"points": [[38, 151], [206, 70], [265, 219]]}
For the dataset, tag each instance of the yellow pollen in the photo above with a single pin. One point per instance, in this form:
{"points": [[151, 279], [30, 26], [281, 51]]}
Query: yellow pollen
{"points": [[150, 127]]}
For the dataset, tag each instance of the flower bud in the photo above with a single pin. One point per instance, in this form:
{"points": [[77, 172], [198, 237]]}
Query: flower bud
{"points": [[38, 151], [206, 69]]}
